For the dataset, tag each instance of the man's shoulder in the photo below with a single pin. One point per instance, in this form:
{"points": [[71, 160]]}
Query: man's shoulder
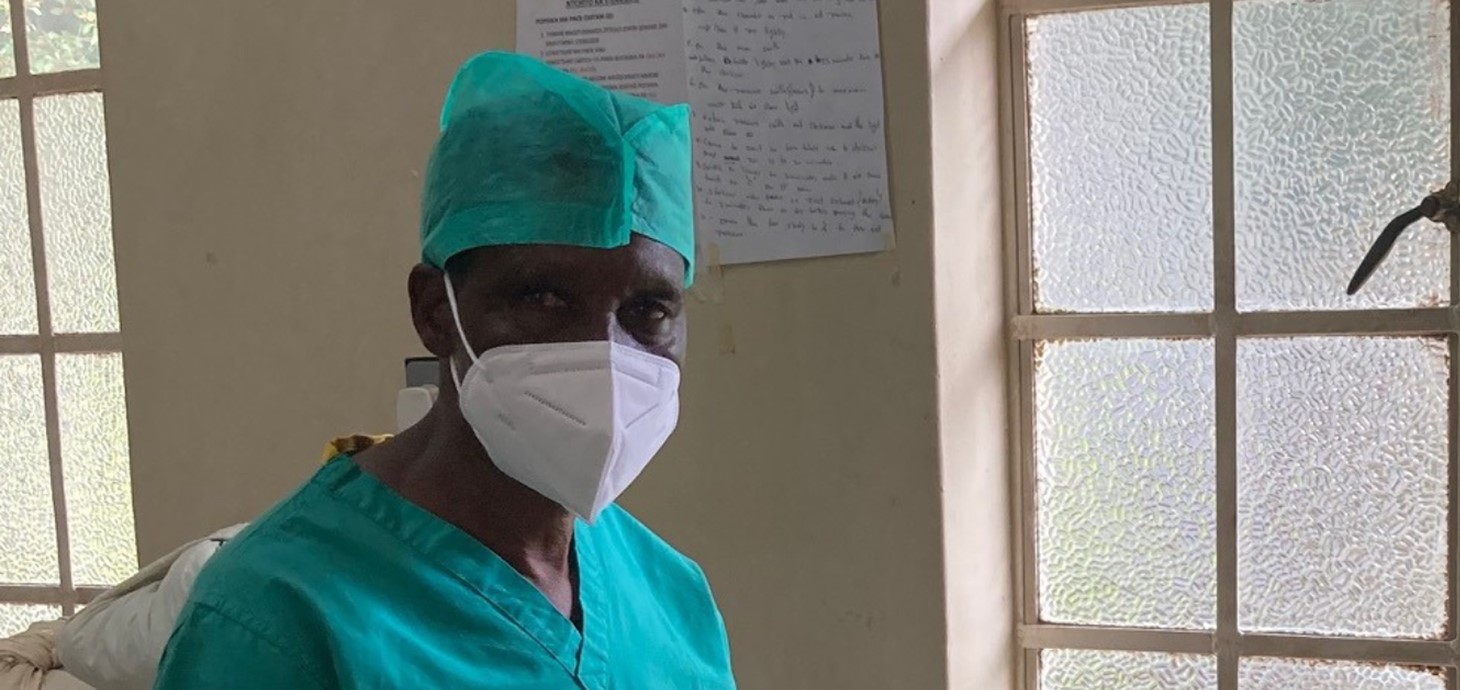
{"points": [[621, 525], [283, 554], [631, 539], [652, 575]]}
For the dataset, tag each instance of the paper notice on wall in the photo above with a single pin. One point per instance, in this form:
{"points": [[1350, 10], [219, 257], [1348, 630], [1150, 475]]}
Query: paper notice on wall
{"points": [[634, 46], [789, 141], [790, 149]]}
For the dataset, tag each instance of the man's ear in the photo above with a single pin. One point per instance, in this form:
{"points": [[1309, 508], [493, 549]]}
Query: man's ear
{"points": [[431, 312]]}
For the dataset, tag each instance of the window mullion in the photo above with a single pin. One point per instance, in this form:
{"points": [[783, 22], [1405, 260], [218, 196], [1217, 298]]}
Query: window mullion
{"points": [[1033, 7], [1424, 321], [1116, 639], [58, 483], [21, 50], [1453, 423], [78, 81], [1225, 318], [1020, 300], [1022, 270], [46, 595], [1430, 653], [43, 303]]}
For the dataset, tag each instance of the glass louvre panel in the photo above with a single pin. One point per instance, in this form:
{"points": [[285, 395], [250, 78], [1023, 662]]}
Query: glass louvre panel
{"points": [[15, 618], [1125, 467], [1342, 121], [17, 290], [93, 415], [1298, 674], [1343, 483], [7, 42], [61, 35], [1120, 155], [27, 513], [76, 206], [1091, 670]]}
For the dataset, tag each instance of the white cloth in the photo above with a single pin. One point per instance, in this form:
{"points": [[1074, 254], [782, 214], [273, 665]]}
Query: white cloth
{"points": [[116, 642], [29, 661], [61, 680]]}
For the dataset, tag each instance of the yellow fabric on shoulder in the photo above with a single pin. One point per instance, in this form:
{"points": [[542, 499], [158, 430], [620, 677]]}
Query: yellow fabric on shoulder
{"points": [[349, 445]]}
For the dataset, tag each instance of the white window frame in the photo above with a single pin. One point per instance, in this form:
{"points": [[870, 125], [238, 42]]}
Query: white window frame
{"points": [[1223, 325], [26, 88]]}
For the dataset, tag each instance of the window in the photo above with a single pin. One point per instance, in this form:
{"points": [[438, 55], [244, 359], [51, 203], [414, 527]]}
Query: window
{"points": [[1232, 475], [66, 522]]}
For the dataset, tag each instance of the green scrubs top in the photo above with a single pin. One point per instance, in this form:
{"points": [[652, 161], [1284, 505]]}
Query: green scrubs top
{"points": [[348, 585]]}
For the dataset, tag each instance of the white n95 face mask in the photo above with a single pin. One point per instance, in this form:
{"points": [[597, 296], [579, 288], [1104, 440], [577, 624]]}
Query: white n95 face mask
{"points": [[575, 422]]}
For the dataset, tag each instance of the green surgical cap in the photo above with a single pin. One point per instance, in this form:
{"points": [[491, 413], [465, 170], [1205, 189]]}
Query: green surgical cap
{"points": [[529, 154]]}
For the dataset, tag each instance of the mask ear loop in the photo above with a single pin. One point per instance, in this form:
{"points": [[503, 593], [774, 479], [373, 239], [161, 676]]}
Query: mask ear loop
{"points": [[456, 318]]}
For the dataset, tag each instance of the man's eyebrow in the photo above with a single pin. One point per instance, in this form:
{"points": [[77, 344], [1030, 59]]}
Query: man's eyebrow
{"points": [[659, 286]]}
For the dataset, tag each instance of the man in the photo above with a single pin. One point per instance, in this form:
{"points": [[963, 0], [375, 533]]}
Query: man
{"points": [[480, 549]]}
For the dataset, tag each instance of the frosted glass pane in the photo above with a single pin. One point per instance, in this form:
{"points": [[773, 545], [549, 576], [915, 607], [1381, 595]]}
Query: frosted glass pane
{"points": [[1342, 122], [61, 35], [1120, 148], [76, 205], [98, 475], [1084, 670], [1284, 674], [15, 618], [17, 290], [27, 517], [7, 44], [1342, 486], [1124, 451]]}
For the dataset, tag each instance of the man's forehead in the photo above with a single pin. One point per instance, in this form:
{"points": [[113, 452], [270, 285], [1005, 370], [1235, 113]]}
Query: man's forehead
{"points": [[642, 258]]}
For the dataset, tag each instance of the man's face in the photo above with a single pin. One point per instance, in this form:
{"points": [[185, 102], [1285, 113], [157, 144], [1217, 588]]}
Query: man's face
{"points": [[520, 295]]}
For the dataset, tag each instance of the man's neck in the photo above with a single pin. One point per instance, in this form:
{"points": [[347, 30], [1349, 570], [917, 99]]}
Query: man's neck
{"points": [[440, 466]]}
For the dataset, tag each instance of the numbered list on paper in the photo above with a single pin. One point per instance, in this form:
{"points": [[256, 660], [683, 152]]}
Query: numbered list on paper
{"points": [[790, 155], [633, 46]]}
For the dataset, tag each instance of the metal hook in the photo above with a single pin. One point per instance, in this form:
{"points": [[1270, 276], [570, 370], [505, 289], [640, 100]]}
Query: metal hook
{"points": [[1441, 207]]}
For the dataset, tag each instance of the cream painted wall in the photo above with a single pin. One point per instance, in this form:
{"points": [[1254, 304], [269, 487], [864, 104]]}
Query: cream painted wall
{"points": [[963, 39], [265, 165]]}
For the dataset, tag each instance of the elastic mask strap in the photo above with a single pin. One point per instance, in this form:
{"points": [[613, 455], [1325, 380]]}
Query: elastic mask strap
{"points": [[456, 318], [455, 377]]}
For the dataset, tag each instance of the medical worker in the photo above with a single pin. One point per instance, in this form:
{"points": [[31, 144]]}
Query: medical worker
{"points": [[482, 548]]}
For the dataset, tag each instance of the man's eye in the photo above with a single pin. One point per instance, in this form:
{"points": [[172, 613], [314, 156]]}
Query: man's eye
{"points": [[653, 311]]}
